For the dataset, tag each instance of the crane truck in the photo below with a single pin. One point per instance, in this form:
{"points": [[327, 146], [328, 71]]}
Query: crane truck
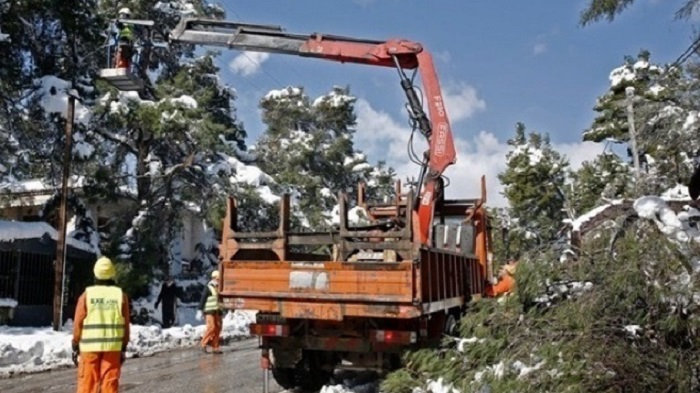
{"points": [[400, 282]]}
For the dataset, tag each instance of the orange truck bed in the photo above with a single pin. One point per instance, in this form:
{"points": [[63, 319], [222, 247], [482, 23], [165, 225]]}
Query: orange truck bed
{"points": [[329, 290]]}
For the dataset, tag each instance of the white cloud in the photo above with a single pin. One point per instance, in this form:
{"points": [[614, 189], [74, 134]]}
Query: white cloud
{"points": [[461, 101], [444, 56], [248, 63], [539, 48], [384, 138]]}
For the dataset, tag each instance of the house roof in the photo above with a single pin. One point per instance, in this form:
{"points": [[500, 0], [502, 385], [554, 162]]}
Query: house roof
{"points": [[11, 231]]}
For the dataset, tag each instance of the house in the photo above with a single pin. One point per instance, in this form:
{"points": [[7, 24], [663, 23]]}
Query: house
{"points": [[27, 255], [24, 201]]}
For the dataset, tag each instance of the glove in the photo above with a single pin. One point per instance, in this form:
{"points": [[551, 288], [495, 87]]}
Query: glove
{"points": [[76, 352], [199, 315], [122, 358]]}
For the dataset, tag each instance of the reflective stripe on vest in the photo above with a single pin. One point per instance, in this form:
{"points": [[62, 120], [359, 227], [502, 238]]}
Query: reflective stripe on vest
{"points": [[103, 327], [212, 303]]}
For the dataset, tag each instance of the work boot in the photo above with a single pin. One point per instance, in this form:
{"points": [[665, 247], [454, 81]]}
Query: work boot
{"points": [[204, 350], [216, 351]]}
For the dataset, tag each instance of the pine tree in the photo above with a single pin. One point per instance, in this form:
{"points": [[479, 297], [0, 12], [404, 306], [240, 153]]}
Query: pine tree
{"points": [[609, 9], [665, 115], [308, 150], [165, 152], [534, 182], [607, 177]]}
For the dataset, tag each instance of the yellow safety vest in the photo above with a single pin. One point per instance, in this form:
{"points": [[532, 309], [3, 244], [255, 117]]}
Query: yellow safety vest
{"points": [[103, 327], [212, 303]]}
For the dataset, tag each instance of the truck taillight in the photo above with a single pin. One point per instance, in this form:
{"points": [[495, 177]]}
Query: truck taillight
{"points": [[273, 330], [393, 336]]}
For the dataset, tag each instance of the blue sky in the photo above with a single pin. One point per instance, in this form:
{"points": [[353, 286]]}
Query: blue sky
{"points": [[498, 63]]}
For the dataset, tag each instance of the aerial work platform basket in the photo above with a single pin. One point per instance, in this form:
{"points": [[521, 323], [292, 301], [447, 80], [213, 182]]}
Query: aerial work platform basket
{"points": [[122, 79]]}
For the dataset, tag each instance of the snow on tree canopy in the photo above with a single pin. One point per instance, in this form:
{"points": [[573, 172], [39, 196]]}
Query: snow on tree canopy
{"points": [[185, 100], [334, 99], [629, 73], [533, 153], [284, 94], [53, 93], [180, 7]]}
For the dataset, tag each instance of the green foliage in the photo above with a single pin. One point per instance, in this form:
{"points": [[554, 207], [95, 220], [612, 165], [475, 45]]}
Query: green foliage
{"points": [[308, 150], [631, 330], [533, 184], [609, 9], [607, 176]]}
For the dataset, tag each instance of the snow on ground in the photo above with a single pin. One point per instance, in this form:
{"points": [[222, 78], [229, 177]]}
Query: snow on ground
{"points": [[26, 350]]}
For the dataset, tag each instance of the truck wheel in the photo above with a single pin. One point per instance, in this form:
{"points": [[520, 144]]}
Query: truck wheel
{"points": [[313, 380], [285, 377], [451, 325]]}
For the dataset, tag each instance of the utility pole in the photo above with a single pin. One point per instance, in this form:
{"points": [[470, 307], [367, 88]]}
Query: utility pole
{"points": [[61, 240], [629, 91]]}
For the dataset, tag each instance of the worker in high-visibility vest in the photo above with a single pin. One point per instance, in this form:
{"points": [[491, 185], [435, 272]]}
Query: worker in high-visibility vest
{"points": [[101, 332], [506, 280], [209, 306], [125, 44]]}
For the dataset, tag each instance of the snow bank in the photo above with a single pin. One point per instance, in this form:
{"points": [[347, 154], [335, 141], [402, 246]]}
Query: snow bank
{"points": [[26, 350]]}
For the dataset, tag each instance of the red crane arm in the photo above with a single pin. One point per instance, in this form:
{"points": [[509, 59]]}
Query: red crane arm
{"points": [[401, 54]]}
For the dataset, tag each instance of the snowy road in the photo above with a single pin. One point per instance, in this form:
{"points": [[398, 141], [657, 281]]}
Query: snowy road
{"points": [[183, 370]]}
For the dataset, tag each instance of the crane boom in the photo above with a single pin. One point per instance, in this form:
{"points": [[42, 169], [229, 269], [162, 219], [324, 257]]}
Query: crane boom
{"points": [[398, 53]]}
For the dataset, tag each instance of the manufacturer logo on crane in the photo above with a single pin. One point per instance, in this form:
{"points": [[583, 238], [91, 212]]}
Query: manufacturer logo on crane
{"points": [[440, 139]]}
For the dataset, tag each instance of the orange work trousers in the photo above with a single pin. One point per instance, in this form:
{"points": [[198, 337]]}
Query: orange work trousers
{"points": [[99, 372], [211, 335], [505, 285]]}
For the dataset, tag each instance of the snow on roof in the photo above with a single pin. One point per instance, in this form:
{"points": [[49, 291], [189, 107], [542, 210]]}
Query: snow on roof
{"points": [[16, 230], [33, 185], [54, 98], [579, 221], [6, 302]]}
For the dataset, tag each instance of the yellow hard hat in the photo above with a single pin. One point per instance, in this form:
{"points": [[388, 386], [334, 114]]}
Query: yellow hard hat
{"points": [[104, 269], [215, 274]]}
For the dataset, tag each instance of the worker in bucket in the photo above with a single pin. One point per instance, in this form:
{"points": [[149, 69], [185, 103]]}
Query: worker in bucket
{"points": [[101, 332], [125, 40], [506, 280], [209, 306]]}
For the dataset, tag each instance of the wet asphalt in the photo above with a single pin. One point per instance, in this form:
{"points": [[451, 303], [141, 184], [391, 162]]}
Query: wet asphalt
{"points": [[181, 371]]}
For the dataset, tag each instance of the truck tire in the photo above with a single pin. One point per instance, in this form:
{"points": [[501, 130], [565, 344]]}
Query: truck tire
{"points": [[306, 374], [285, 377], [313, 380]]}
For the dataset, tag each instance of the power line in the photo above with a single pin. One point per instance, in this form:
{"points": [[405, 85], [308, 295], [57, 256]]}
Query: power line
{"points": [[687, 53], [294, 70]]}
